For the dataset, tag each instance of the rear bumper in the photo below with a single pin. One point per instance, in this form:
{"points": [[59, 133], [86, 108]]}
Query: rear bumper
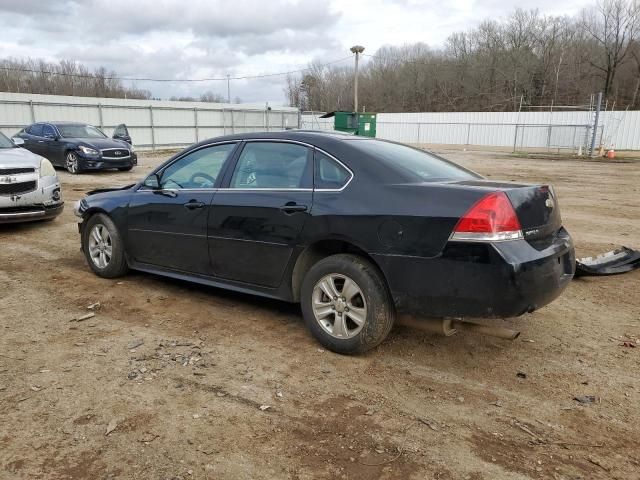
{"points": [[30, 214], [498, 280]]}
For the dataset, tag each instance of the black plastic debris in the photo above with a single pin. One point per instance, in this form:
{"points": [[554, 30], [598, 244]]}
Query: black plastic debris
{"points": [[617, 261]]}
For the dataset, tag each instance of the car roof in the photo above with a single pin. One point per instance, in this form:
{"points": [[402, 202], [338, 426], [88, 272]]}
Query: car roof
{"points": [[67, 123], [319, 138]]}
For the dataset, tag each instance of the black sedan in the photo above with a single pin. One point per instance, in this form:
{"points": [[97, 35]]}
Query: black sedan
{"points": [[78, 146], [357, 230]]}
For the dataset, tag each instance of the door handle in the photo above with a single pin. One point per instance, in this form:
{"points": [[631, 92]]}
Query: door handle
{"points": [[40, 141], [193, 205], [293, 207]]}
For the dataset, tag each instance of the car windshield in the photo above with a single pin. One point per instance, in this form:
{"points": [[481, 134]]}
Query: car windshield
{"points": [[80, 131], [5, 142], [414, 163]]}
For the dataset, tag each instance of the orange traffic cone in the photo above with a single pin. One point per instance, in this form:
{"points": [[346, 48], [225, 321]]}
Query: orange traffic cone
{"points": [[611, 153]]}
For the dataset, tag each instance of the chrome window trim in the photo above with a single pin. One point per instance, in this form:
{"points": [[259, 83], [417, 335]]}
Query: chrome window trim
{"points": [[308, 145], [229, 189], [147, 189]]}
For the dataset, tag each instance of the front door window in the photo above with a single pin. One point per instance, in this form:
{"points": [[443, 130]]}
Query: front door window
{"points": [[199, 169]]}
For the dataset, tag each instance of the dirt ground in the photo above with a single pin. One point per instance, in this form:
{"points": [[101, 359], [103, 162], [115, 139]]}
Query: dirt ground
{"points": [[181, 375]]}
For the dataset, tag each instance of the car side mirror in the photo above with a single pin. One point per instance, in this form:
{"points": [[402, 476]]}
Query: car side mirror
{"points": [[17, 141], [152, 181]]}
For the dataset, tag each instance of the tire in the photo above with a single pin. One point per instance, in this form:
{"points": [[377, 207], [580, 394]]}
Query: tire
{"points": [[100, 228], [372, 306], [124, 169], [72, 163]]}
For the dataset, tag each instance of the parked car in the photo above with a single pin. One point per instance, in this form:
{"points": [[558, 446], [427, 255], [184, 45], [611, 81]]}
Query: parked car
{"points": [[79, 146], [355, 229], [29, 186]]}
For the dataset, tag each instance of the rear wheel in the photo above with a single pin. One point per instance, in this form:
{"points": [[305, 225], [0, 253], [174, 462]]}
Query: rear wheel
{"points": [[71, 163], [346, 304], [103, 247]]}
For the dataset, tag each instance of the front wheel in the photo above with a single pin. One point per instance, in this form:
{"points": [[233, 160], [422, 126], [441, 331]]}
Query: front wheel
{"points": [[103, 247], [124, 169], [71, 163], [346, 304]]}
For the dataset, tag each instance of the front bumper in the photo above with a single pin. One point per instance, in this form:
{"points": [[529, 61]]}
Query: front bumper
{"points": [[30, 214], [498, 280], [44, 202], [97, 162]]}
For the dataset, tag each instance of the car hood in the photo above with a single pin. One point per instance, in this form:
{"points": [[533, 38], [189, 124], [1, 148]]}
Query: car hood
{"points": [[19, 157], [100, 143]]}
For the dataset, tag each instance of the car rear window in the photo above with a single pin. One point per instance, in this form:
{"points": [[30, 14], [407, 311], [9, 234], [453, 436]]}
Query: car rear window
{"points": [[414, 163]]}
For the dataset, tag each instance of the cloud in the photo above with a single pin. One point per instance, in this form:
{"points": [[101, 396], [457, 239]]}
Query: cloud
{"points": [[213, 38]]}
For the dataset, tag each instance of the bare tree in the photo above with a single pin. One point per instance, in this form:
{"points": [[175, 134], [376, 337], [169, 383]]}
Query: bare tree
{"points": [[64, 78], [613, 25], [526, 57]]}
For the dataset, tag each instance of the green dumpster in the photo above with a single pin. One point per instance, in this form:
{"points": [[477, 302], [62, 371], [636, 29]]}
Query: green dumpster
{"points": [[363, 124]]}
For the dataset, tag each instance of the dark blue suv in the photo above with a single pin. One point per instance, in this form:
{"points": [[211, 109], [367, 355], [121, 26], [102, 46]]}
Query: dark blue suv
{"points": [[79, 146]]}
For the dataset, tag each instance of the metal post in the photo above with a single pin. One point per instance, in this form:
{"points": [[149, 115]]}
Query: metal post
{"points": [[33, 112], [100, 116], [595, 124], [153, 133], [224, 122], [549, 127], [233, 122], [195, 122], [357, 49], [418, 139], [355, 95], [468, 132], [228, 89], [266, 116], [515, 139]]}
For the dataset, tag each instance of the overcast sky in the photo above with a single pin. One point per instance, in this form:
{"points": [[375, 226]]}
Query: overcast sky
{"points": [[213, 38]]}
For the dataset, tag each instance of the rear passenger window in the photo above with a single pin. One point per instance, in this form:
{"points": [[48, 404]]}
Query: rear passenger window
{"points": [[47, 131], [272, 165], [329, 174]]}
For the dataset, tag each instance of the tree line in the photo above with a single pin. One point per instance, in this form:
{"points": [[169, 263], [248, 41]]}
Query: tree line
{"points": [[64, 78], [525, 60], [71, 78]]}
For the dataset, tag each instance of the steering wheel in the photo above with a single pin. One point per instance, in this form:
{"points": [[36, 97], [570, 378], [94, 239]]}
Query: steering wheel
{"points": [[208, 178]]}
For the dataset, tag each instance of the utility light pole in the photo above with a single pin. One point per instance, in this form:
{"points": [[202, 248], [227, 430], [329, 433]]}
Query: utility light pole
{"points": [[228, 88], [357, 49]]}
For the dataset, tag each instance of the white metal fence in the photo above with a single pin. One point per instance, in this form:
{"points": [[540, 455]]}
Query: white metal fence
{"points": [[166, 124], [151, 123], [562, 130]]}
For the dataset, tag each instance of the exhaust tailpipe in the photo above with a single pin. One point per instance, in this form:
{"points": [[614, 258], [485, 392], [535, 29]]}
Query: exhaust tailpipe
{"points": [[449, 326]]}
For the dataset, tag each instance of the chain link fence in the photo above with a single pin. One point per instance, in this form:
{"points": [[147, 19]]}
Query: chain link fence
{"points": [[520, 137]]}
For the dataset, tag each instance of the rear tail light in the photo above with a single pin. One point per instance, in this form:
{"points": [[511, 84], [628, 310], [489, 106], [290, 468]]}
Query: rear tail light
{"points": [[491, 219]]}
